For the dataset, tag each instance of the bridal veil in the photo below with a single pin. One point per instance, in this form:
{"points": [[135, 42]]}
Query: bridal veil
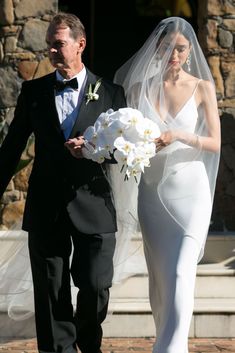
{"points": [[142, 77]]}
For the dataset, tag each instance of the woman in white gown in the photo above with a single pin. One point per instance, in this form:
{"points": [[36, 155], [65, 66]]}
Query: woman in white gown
{"points": [[169, 81]]}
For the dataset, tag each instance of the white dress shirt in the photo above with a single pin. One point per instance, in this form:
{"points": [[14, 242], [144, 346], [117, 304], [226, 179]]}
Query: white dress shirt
{"points": [[67, 100]]}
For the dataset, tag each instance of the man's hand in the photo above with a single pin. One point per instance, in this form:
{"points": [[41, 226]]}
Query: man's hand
{"points": [[75, 146]]}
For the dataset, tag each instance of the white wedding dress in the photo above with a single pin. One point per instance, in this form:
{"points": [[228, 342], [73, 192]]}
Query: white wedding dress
{"points": [[173, 248], [176, 191]]}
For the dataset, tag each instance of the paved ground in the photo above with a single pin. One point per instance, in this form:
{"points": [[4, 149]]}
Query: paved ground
{"points": [[127, 345]]}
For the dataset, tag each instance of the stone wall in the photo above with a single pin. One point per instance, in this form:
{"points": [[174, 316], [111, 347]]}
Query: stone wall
{"points": [[23, 25], [216, 34]]}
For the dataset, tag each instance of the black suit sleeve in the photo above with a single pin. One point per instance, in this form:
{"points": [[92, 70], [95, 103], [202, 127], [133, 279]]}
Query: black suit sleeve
{"points": [[119, 100], [14, 143]]}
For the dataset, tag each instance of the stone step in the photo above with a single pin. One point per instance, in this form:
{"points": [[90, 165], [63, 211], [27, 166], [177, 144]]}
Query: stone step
{"points": [[211, 318], [128, 318], [214, 310], [201, 305], [142, 325], [213, 281]]}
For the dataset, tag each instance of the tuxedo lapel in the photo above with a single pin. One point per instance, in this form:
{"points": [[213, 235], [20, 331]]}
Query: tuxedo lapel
{"points": [[48, 101], [87, 112]]}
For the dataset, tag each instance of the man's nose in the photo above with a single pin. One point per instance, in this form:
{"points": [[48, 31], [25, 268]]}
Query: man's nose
{"points": [[52, 50]]}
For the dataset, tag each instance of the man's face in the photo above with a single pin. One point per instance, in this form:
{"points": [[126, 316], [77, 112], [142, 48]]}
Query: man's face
{"points": [[64, 51]]}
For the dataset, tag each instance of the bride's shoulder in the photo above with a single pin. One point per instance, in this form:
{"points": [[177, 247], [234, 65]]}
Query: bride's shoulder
{"points": [[205, 84], [205, 87], [205, 91]]}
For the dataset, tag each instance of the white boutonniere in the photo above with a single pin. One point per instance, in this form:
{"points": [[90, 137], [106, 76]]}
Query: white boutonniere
{"points": [[92, 95]]}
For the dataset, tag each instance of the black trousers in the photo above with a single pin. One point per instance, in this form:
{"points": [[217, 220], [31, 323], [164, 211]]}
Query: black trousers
{"points": [[59, 328]]}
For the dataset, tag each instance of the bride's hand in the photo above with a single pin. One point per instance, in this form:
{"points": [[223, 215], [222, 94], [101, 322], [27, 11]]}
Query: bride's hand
{"points": [[165, 139]]}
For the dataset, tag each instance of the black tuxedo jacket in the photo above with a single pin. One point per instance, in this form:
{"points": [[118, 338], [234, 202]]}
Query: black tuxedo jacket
{"points": [[58, 180]]}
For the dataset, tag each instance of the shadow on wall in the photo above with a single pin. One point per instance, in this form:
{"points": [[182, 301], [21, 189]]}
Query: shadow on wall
{"points": [[223, 219]]}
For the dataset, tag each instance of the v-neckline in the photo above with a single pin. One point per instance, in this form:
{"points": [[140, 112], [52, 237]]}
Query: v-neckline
{"points": [[183, 106], [164, 121]]}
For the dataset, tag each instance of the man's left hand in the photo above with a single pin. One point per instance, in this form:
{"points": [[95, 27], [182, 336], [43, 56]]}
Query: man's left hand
{"points": [[75, 146]]}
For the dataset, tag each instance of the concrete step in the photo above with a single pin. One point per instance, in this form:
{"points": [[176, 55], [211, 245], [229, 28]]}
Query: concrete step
{"points": [[211, 318], [214, 306], [128, 318], [214, 310], [203, 325], [213, 281], [201, 305], [131, 317]]}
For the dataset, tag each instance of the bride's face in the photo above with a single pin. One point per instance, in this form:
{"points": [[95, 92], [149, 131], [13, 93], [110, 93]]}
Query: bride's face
{"points": [[179, 48]]}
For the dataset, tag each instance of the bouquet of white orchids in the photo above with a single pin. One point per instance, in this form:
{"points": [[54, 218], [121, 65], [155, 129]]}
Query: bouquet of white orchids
{"points": [[124, 134]]}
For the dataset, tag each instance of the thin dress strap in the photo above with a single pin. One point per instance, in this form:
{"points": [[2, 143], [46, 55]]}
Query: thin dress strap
{"points": [[196, 86]]}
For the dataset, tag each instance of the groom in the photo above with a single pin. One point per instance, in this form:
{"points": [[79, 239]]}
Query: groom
{"points": [[68, 201]]}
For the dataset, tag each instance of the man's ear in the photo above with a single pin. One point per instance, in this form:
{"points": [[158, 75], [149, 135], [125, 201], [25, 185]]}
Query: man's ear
{"points": [[81, 44]]}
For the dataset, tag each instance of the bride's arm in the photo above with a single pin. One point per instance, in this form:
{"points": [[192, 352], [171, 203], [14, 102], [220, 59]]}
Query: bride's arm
{"points": [[206, 98]]}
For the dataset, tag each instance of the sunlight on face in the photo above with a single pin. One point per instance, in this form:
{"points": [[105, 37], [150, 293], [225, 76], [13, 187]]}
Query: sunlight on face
{"points": [[62, 48]]}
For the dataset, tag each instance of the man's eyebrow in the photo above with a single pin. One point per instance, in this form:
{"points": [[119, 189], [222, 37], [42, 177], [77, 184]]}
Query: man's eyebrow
{"points": [[57, 41]]}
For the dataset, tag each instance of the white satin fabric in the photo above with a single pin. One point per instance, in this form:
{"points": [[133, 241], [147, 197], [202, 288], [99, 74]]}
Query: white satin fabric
{"points": [[172, 251]]}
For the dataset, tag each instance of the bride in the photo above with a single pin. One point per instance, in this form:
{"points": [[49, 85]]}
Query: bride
{"points": [[169, 81]]}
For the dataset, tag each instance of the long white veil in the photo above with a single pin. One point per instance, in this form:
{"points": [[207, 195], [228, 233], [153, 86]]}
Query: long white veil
{"points": [[16, 287], [142, 77]]}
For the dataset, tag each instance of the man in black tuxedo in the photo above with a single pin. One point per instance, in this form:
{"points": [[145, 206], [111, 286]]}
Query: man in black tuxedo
{"points": [[68, 200]]}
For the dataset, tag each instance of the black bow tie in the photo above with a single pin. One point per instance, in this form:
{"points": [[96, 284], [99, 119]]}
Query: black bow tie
{"points": [[61, 85]]}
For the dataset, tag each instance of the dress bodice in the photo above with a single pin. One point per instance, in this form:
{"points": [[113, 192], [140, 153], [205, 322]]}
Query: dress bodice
{"points": [[187, 117]]}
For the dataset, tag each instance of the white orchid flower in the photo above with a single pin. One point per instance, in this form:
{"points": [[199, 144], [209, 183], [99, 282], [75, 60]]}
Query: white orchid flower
{"points": [[146, 149], [137, 160], [131, 172], [90, 134], [104, 141], [130, 116], [100, 155], [131, 134], [116, 129], [148, 130], [123, 145], [150, 150], [120, 157], [103, 121]]}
